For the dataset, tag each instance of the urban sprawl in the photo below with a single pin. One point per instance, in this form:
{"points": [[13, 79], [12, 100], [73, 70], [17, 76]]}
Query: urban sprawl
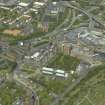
{"points": [[52, 52]]}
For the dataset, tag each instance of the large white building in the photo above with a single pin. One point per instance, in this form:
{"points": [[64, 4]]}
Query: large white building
{"points": [[22, 4]]}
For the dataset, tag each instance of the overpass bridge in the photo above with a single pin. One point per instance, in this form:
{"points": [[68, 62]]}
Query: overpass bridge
{"points": [[91, 16]]}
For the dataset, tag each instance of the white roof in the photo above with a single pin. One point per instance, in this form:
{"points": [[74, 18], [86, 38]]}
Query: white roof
{"points": [[62, 75], [32, 9], [89, 38], [27, 16], [27, 57], [54, 3], [84, 35], [46, 72], [47, 69], [66, 74], [72, 72], [21, 43], [39, 3], [35, 55], [60, 71], [80, 15], [54, 12], [23, 4]]}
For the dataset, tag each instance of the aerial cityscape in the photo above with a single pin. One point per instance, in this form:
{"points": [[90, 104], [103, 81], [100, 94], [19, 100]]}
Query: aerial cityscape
{"points": [[52, 52]]}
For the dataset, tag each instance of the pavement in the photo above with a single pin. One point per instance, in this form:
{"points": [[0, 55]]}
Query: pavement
{"points": [[58, 31]]}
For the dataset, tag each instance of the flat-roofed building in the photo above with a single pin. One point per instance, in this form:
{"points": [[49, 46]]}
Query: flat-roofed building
{"points": [[22, 4], [62, 75], [8, 2], [42, 55], [82, 67]]}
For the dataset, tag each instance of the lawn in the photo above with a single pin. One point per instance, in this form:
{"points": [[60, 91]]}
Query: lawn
{"points": [[10, 92], [40, 43], [64, 62], [44, 97], [6, 66], [48, 87], [51, 85], [3, 27], [91, 90]]}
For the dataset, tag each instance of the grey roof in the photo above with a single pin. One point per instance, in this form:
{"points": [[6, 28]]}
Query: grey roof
{"points": [[99, 56], [72, 36], [85, 36], [8, 2], [52, 7]]}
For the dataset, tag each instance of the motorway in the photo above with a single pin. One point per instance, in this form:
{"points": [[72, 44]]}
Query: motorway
{"points": [[60, 31], [91, 17], [96, 19], [70, 87]]}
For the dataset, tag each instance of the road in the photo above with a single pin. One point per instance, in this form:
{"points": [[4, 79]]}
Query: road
{"points": [[70, 88], [58, 31], [81, 78], [96, 19], [24, 81]]}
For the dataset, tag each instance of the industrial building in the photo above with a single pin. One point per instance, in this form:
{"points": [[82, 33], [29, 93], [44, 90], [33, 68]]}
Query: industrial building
{"points": [[84, 36], [83, 44]]}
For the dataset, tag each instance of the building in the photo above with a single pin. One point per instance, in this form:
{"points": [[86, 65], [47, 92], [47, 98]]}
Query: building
{"points": [[61, 73], [44, 26], [33, 99], [65, 47], [48, 71], [82, 68], [100, 56], [38, 4], [83, 44], [41, 56], [54, 8], [8, 2], [53, 72], [22, 4], [85, 37]]}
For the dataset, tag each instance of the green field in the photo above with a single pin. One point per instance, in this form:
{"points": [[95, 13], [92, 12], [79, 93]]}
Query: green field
{"points": [[64, 62], [6, 66], [90, 91], [47, 85], [10, 92]]}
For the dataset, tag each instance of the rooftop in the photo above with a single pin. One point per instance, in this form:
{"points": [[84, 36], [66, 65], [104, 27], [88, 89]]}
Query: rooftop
{"points": [[85, 36]]}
